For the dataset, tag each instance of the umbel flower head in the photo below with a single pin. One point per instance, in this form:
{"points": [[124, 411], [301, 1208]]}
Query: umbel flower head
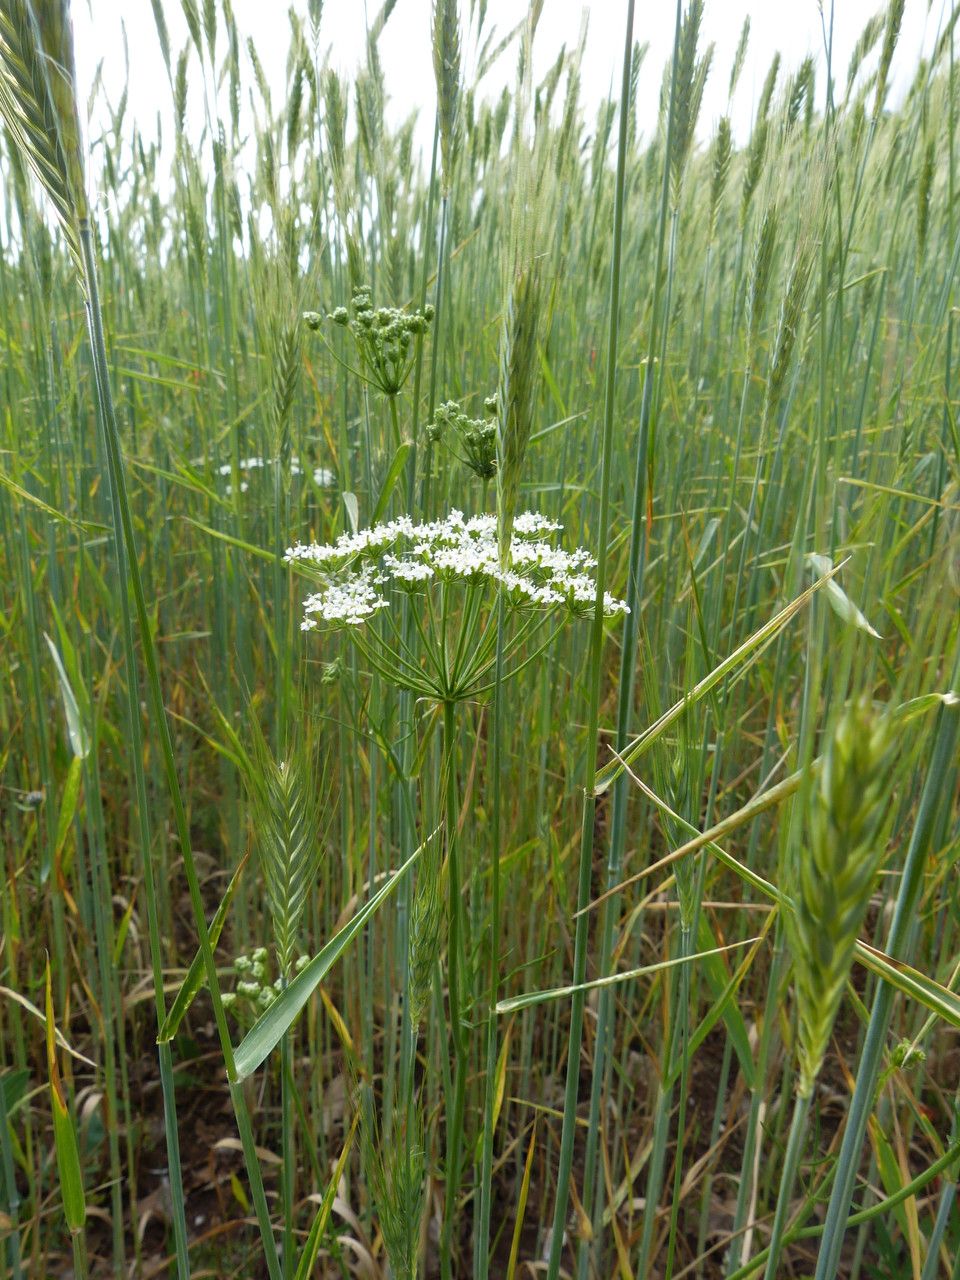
{"points": [[383, 337], [452, 572]]}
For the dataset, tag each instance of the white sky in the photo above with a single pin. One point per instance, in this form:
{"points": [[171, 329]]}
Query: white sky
{"points": [[791, 26]]}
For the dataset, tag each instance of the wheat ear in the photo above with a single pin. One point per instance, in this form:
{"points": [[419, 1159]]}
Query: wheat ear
{"points": [[831, 877], [38, 104]]}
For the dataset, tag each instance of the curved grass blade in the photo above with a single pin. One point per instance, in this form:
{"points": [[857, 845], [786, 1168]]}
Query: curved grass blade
{"points": [[267, 1032], [745, 653], [393, 475], [64, 1133], [29, 1007], [312, 1245], [560, 993], [196, 974]]}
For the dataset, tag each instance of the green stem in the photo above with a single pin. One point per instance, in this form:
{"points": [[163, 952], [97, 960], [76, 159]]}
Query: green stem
{"points": [[489, 1083], [878, 1210], [454, 1118], [81, 1268], [288, 1152], [628, 666], [791, 1161], [126, 532], [581, 938], [434, 349]]}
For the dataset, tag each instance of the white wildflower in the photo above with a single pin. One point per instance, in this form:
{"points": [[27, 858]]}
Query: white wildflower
{"points": [[521, 591], [408, 557], [408, 572], [530, 524], [351, 602]]}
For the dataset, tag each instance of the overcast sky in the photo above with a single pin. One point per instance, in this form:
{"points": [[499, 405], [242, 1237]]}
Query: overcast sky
{"points": [[792, 27]]}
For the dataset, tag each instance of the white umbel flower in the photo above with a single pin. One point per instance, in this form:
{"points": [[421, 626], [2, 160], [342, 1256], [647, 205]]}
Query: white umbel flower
{"points": [[345, 603], [359, 569]]}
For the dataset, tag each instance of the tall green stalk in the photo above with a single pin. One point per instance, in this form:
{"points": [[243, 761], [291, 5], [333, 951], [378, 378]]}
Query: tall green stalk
{"points": [[594, 679]]}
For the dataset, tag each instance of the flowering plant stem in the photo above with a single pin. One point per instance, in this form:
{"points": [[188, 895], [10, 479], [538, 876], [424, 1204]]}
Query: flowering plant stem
{"points": [[490, 1071], [454, 1115]]}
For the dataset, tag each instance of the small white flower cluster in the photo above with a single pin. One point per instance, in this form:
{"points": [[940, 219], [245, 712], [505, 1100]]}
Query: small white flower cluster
{"points": [[408, 556], [246, 465], [346, 603], [323, 477]]}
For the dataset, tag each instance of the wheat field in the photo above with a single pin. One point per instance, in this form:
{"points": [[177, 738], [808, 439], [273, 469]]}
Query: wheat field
{"points": [[479, 661]]}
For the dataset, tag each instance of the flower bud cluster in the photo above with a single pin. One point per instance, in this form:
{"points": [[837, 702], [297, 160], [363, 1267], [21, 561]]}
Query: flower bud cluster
{"points": [[475, 439], [383, 337], [254, 991]]}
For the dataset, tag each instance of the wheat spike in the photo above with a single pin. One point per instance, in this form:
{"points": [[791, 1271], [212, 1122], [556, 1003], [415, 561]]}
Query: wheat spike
{"points": [[285, 798], [690, 79], [739, 57], [891, 34], [426, 927], [286, 374], [924, 187], [446, 66], [950, 500], [756, 156], [769, 84], [722, 151], [395, 1171], [867, 39], [791, 316], [831, 878], [762, 269], [39, 107], [516, 393]]}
